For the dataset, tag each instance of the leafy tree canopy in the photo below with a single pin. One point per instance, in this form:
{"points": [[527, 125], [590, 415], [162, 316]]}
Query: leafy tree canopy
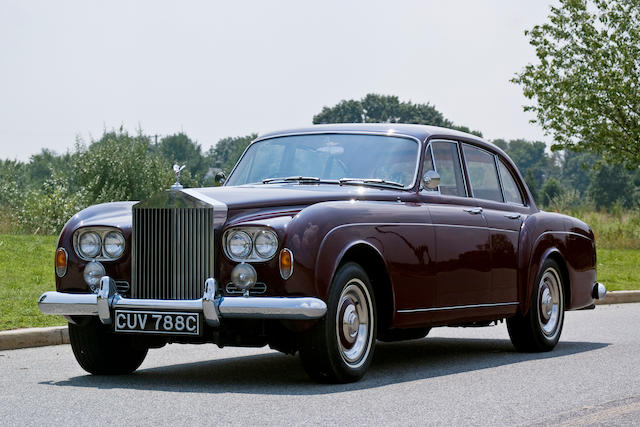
{"points": [[375, 108], [227, 151], [179, 148], [585, 87]]}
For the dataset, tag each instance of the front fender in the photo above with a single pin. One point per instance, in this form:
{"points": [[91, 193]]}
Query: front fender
{"points": [[114, 214]]}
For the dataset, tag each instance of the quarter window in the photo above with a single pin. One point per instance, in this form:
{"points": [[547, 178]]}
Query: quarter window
{"points": [[511, 191], [447, 162], [483, 175]]}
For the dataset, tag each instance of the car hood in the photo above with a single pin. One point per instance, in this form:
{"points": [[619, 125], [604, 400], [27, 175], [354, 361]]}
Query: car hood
{"points": [[267, 195]]}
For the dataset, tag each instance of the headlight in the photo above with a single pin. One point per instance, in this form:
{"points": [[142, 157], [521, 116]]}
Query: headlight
{"points": [[90, 244], [239, 244], [266, 243], [93, 272], [99, 243], [250, 243], [113, 244]]}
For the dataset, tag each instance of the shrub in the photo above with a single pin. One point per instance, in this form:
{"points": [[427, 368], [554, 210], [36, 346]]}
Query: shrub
{"points": [[46, 211]]}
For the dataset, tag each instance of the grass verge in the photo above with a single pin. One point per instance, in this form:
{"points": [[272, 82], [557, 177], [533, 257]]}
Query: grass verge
{"points": [[618, 269], [26, 271]]}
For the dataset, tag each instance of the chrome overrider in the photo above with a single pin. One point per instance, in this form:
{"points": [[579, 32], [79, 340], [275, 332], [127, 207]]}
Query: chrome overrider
{"points": [[211, 306]]}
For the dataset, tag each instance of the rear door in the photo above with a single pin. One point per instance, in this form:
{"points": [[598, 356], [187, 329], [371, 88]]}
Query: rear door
{"points": [[496, 191]]}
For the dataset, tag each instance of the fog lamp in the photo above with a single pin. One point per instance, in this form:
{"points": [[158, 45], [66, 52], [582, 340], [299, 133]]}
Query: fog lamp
{"points": [[244, 276], [93, 272]]}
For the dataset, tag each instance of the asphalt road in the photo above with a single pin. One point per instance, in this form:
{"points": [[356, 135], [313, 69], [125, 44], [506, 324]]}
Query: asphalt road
{"points": [[454, 377]]}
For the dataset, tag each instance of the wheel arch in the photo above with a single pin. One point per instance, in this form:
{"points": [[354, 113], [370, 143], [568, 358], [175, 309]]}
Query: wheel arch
{"points": [[556, 255], [371, 260]]}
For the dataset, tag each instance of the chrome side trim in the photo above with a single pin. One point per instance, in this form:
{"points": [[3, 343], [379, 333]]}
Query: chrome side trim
{"points": [[220, 209], [211, 306], [456, 307]]}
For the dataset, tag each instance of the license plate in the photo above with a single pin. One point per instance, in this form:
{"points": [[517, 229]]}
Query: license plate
{"points": [[157, 322]]}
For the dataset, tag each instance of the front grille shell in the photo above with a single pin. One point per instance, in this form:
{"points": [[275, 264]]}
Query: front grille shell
{"points": [[172, 248]]}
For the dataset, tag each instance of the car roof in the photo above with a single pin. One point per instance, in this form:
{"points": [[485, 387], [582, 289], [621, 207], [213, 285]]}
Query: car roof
{"points": [[421, 132]]}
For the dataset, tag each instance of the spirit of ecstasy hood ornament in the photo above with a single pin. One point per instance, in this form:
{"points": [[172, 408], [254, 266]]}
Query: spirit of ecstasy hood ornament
{"points": [[177, 169]]}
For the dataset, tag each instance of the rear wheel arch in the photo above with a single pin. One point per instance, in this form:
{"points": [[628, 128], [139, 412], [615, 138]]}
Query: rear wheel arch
{"points": [[536, 262], [566, 284]]}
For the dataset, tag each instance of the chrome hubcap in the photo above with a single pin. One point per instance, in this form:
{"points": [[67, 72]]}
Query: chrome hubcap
{"points": [[549, 302], [353, 323]]}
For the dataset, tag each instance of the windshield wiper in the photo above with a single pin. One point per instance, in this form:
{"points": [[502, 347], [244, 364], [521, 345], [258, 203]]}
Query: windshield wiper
{"points": [[370, 181], [291, 179]]}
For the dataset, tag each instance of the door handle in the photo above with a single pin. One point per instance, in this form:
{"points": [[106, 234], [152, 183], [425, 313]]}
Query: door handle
{"points": [[473, 211], [513, 215]]}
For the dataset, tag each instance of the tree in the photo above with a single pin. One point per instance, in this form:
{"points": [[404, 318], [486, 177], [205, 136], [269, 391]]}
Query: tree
{"points": [[611, 184], [41, 166], [550, 190], [576, 168], [179, 148], [375, 108], [585, 87], [228, 150]]}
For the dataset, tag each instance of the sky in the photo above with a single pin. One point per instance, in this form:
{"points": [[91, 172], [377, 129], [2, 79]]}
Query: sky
{"points": [[213, 69]]}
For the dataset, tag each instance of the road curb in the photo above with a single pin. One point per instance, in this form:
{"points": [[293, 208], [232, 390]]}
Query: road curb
{"points": [[33, 337], [38, 337]]}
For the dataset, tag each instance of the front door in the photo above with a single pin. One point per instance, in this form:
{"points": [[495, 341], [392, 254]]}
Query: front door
{"points": [[462, 261]]}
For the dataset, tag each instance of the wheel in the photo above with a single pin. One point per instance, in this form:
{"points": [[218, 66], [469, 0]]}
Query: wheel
{"points": [[340, 347], [393, 335], [539, 329], [101, 352]]}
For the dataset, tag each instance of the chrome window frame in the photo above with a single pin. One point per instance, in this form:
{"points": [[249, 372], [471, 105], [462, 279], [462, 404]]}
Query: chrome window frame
{"points": [[435, 166]]}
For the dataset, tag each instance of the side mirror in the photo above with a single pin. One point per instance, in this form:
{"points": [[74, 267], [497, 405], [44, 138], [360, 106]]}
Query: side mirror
{"points": [[220, 178], [430, 180]]}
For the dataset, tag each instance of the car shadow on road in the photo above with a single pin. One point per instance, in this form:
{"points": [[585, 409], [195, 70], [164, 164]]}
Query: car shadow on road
{"points": [[279, 374]]}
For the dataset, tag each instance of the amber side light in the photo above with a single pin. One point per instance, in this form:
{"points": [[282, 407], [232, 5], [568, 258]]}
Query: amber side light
{"points": [[286, 263], [61, 262]]}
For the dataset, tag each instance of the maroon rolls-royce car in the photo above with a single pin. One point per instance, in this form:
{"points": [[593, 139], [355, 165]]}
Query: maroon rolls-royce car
{"points": [[322, 240]]}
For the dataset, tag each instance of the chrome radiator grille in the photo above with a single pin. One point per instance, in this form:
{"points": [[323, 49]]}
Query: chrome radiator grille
{"points": [[172, 252]]}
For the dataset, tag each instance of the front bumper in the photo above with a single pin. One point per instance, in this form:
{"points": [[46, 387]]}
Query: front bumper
{"points": [[211, 306]]}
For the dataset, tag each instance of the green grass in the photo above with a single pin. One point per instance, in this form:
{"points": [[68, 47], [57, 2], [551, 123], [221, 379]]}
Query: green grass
{"points": [[618, 269], [26, 271]]}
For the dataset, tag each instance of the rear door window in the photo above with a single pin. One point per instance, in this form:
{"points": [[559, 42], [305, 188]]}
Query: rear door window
{"points": [[511, 190], [483, 175]]}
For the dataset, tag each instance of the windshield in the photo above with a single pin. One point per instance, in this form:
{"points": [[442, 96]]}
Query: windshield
{"points": [[329, 157]]}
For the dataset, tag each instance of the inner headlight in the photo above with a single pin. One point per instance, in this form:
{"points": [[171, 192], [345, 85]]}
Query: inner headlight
{"points": [[266, 243], [239, 244], [113, 244], [90, 244]]}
